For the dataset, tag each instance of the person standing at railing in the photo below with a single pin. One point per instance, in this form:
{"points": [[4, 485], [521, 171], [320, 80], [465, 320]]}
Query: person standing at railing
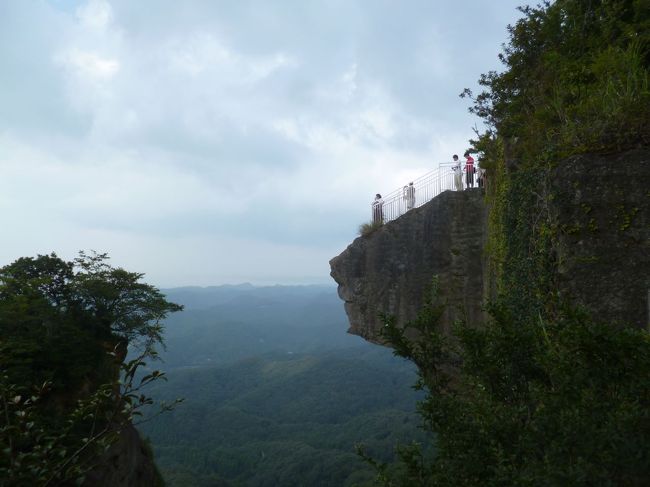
{"points": [[469, 170], [458, 174], [378, 210], [409, 196], [480, 176]]}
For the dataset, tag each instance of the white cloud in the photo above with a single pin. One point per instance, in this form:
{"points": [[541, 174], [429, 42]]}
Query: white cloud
{"points": [[197, 53], [88, 64], [95, 15], [204, 54]]}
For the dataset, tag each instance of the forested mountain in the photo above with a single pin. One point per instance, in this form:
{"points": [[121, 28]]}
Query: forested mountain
{"points": [[276, 393]]}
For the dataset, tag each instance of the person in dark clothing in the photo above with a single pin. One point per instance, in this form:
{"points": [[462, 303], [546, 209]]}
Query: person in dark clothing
{"points": [[480, 177]]}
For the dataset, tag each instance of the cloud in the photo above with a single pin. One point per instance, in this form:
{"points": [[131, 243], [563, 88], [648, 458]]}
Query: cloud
{"points": [[96, 15], [89, 64], [246, 135], [203, 54]]}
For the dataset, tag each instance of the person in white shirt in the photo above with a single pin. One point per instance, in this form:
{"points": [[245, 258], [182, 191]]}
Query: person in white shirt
{"points": [[458, 174], [378, 209], [409, 196]]}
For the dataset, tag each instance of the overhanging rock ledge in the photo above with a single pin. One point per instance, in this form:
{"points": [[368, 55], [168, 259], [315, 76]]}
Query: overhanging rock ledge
{"points": [[390, 270]]}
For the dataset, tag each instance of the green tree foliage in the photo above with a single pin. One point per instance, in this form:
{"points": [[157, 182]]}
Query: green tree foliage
{"points": [[58, 319], [528, 402], [576, 80], [64, 332]]}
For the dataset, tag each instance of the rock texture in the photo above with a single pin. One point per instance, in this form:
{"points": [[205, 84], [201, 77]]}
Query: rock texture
{"points": [[602, 206], [389, 270], [128, 463]]}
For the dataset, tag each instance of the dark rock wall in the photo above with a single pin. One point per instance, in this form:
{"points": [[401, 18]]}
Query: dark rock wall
{"points": [[390, 270], [602, 206], [127, 463]]}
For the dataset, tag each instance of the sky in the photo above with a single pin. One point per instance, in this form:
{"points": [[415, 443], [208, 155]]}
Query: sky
{"points": [[207, 142]]}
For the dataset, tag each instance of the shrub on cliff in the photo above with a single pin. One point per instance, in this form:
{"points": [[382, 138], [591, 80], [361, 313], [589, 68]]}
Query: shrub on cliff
{"points": [[368, 228]]}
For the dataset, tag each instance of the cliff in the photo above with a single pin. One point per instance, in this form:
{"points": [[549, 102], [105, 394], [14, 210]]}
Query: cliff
{"points": [[389, 270], [595, 206]]}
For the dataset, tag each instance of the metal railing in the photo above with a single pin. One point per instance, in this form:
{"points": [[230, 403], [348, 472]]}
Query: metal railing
{"points": [[426, 187]]}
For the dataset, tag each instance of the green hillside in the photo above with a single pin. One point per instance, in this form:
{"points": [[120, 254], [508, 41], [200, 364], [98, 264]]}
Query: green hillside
{"points": [[285, 420], [276, 393]]}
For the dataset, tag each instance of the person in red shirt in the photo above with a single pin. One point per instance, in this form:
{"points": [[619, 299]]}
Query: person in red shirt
{"points": [[469, 170]]}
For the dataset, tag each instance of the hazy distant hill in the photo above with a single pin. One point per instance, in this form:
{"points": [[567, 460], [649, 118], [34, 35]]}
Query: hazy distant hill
{"points": [[228, 323], [277, 393], [207, 297]]}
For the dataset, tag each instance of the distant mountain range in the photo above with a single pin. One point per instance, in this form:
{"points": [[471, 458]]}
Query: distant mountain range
{"points": [[223, 324]]}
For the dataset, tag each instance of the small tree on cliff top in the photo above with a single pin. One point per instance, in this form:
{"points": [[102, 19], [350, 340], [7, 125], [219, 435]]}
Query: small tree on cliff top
{"points": [[62, 316]]}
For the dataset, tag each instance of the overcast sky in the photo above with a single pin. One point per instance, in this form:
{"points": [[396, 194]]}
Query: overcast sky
{"points": [[207, 142]]}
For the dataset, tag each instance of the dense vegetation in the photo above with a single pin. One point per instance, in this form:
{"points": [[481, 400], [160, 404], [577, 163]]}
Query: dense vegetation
{"points": [[545, 393], [64, 332], [528, 402], [284, 420], [575, 80], [276, 393]]}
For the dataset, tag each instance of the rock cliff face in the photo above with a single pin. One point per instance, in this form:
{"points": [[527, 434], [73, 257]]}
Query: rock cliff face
{"points": [[390, 270], [602, 207]]}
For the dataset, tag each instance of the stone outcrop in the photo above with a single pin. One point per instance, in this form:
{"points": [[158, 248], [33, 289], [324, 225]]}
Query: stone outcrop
{"points": [[390, 270]]}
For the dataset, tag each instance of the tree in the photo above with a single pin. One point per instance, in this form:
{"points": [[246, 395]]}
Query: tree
{"points": [[65, 329], [576, 79]]}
